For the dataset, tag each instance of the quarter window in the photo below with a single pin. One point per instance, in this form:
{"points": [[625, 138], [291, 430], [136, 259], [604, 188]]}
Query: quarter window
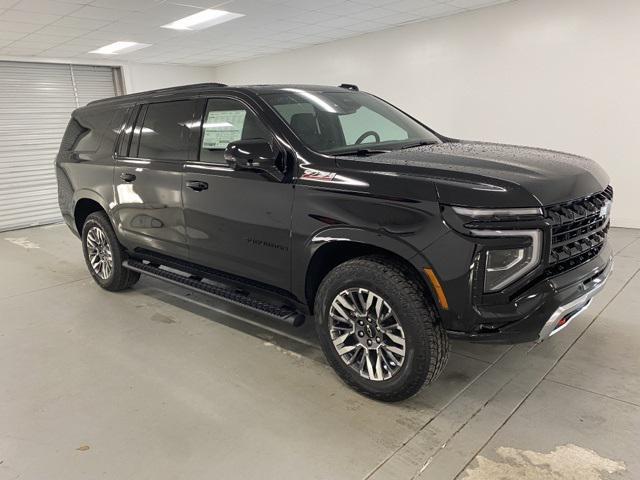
{"points": [[225, 121], [166, 130]]}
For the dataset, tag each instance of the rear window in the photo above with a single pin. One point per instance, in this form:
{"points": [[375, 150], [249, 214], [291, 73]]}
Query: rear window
{"points": [[166, 130]]}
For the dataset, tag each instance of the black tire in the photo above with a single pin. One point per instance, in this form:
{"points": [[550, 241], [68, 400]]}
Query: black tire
{"points": [[119, 277], [427, 344]]}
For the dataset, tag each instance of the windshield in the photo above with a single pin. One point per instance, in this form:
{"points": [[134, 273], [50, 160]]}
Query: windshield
{"points": [[343, 122]]}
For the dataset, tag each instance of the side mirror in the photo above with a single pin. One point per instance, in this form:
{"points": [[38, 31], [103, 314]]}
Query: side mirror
{"points": [[253, 154]]}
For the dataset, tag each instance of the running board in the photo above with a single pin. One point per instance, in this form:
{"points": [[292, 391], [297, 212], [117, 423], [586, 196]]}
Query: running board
{"points": [[282, 313]]}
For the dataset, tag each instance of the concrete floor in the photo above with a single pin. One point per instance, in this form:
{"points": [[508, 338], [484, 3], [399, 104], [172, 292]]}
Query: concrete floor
{"points": [[159, 383]]}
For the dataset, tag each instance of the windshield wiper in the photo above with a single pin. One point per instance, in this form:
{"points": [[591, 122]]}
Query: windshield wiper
{"points": [[418, 144], [360, 152]]}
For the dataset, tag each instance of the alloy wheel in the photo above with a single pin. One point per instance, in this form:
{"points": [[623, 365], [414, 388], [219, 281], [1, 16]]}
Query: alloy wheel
{"points": [[367, 334], [99, 250]]}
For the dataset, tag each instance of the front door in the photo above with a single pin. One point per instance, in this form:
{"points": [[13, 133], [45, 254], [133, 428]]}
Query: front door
{"points": [[236, 221], [148, 178]]}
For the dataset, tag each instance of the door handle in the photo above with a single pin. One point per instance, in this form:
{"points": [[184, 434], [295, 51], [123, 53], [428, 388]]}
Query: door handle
{"points": [[197, 185], [127, 177]]}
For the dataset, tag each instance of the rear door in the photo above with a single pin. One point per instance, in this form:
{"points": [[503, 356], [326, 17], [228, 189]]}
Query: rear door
{"points": [[240, 222], [148, 177]]}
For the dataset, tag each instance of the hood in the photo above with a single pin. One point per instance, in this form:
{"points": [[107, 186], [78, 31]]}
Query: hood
{"points": [[494, 175]]}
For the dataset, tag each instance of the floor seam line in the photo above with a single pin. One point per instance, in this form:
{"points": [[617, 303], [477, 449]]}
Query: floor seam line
{"points": [[42, 289], [438, 413], [547, 373], [592, 392], [472, 358]]}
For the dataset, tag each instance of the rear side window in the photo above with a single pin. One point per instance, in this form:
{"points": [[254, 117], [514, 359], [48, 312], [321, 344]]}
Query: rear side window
{"points": [[71, 135], [96, 124], [166, 130], [225, 121]]}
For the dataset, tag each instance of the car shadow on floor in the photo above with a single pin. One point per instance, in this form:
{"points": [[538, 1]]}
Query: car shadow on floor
{"points": [[466, 363]]}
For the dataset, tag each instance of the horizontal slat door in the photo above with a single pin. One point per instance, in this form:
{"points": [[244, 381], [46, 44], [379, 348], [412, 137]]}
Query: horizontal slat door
{"points": [[36, 101]]}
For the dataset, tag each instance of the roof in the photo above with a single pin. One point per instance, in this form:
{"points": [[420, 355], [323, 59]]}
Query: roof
{"points": [[213, 87]]}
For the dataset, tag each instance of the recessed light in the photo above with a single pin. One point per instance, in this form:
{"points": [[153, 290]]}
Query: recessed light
{"points": [[120, 47], [204, 19]]}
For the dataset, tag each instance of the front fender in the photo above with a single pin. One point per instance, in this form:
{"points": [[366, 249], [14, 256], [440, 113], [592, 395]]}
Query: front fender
{"points": [[350, 235]]}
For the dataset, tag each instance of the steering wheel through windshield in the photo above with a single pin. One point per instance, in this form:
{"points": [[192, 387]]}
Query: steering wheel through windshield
{"points": [[368, 133]]}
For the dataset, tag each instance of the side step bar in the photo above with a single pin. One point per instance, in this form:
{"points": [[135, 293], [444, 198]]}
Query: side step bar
{"points": [[282, 313]]}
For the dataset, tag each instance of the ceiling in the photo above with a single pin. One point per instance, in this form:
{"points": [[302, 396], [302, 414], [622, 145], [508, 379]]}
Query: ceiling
{"points": [[71, 28]]}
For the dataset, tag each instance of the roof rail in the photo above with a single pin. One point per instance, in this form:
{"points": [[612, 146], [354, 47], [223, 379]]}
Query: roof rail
{"points": [[160, 91], [350, 86]]}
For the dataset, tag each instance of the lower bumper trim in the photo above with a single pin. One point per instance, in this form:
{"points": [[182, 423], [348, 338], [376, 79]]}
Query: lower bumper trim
{"points": [[565, 314]]}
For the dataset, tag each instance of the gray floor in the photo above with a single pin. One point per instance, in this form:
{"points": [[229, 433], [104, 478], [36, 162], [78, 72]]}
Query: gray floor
{"points": [[158, 383]]}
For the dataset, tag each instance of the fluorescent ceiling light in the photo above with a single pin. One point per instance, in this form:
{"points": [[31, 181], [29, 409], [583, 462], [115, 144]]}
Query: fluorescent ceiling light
{"points": [[120, 47], [204, 19]]}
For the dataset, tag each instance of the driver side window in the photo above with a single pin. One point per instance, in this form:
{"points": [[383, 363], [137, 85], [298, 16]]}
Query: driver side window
{"points": [[225, 121], [352, 127]]}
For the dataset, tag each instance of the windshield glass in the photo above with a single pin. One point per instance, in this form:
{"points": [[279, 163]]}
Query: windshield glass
{"points": [[340, 122]]}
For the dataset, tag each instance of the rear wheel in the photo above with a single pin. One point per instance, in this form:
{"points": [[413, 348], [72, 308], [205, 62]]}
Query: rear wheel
{"points": [[379, 330], [104, 255]]}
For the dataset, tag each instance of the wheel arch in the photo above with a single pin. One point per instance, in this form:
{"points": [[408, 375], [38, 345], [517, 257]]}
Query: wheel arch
{"points": [[330, 249], [86, 203]]}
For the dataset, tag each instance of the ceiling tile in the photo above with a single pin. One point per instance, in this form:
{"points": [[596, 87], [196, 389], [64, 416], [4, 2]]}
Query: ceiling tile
{"points": [[83, 23], [51, 7], [28, 17], [399, 18], [438, 10], [135, 5], [474, 3], [346, 7], [62, 31], [97, 13], [160, 15], [47, 40], [18, 26], [340, 22], [313, 17], [268, 26], [412, 5], [7, 35], [372, 13], [367, 26]]}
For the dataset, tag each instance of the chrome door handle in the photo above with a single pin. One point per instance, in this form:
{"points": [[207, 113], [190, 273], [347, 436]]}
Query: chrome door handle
{"points": [[127, 177]]}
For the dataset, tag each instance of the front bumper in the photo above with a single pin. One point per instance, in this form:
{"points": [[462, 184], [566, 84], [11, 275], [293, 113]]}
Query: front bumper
{"points": [[543, 309], [566, 313]]}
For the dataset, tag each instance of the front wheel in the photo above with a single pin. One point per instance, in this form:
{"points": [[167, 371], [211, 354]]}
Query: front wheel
{"points": [[104, 255], [379, 330]]}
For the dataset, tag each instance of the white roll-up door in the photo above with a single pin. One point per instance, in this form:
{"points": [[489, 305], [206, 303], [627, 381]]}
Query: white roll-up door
{"points": [[36, 101]]}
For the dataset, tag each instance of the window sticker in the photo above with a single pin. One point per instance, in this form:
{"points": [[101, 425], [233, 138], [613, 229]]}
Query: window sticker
{"points": [[222, 127]]}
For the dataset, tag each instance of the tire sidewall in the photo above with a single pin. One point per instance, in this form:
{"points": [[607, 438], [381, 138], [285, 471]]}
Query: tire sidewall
{"points": [[413, 328]]}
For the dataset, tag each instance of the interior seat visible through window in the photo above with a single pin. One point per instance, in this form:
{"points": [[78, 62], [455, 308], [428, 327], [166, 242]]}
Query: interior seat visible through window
{"points": [[227, 120]]}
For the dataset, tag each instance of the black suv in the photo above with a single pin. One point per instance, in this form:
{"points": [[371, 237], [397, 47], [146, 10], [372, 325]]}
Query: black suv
{"points": [[296, 200]]}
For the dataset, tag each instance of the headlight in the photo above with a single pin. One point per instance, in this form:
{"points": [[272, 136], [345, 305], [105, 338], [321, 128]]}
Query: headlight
{"points": [[505, 266]]}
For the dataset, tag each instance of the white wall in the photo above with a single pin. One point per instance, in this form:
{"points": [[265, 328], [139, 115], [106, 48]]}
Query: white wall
{"points": [[562, 74], [143, 76]]}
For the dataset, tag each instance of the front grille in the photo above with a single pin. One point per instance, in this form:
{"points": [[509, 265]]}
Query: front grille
{"points": [[578, 230]]}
